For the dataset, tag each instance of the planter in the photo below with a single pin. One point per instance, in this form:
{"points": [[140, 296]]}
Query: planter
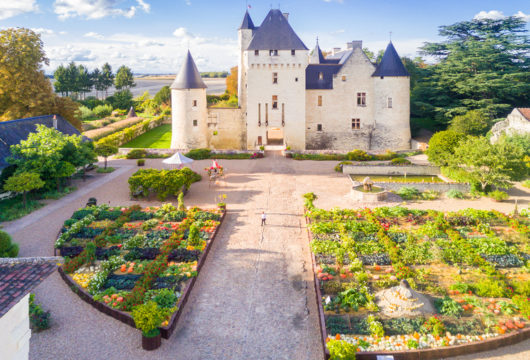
{"points": [[151, 343], [222, 207]]}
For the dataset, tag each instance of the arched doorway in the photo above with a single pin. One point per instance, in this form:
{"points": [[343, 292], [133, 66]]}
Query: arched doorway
{"points": [[275, 136]]}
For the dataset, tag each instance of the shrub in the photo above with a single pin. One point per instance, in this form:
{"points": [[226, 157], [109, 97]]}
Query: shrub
{"points": [[38, 318], [84, 113], [430, 195], [455, 194], [341, 350], [136, 154], [7, 247], [498, 195], [442, 146], [140, 162], [161, 182], [193, 238], [400, 161], [408, 193], [523, 304], [376, 328], [448, 306], [102, 111], [199, 154], [358, 155], [148, 317], [490, 288], [338, 167], [526, 183]]}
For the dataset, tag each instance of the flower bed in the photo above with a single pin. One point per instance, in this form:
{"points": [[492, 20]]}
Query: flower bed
{"points": [[471, 265], [120, 259]]}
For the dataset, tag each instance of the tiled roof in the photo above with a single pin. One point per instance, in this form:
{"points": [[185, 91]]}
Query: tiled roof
{"points": [[14, 131], [247, 22], [188, 76], [18, 276], [391, 64], [275, 33], [317, 57], [525, 112], [312, 76]]}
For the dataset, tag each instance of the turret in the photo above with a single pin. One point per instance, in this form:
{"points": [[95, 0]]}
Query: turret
{"points": [[245, 32], [189, 108], [316, 57], [392, 111]]}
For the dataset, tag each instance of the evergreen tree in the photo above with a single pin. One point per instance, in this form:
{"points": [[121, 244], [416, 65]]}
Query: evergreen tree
{"points": [[124, 78], [107, 78]]}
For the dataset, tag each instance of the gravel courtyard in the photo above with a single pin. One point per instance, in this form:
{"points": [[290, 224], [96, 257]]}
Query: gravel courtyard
{"points": [[254, 298]]}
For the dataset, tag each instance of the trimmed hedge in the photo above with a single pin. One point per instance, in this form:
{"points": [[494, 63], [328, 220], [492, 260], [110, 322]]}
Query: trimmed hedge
{"points": [[127, 134]]}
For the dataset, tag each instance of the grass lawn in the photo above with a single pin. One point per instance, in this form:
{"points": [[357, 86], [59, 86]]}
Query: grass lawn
{"points": [[158, 138]]}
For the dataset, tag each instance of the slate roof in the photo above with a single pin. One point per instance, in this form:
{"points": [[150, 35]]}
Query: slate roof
{"points": [[188, 76], [247, 22], [525, 112], [275, 33], [390, 64], [312, 76], [317, 57], [18, 276], [14, 131]]}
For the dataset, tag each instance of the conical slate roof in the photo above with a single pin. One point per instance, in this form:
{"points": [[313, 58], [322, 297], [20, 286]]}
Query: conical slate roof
{"points": [[188, 76], [247, 22], [317, 57], [275, 33], [390, 64]]}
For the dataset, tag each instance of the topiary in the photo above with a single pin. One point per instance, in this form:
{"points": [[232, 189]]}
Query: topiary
{"points": [[148, 317], [358, 155], [7, 247], [136, 154]]}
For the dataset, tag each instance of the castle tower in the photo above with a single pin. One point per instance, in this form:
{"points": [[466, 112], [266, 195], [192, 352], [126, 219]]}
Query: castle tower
{"points": [[392, 107], [316, 57], [245, 32], [189, 108]]}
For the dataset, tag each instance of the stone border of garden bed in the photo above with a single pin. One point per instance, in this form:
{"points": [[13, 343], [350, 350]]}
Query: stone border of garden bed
{"points": [[424, 354], [125, 317]]}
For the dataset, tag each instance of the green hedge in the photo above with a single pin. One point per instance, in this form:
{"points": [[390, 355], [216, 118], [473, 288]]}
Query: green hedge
{"points": [[127, 134], [163, 183]]}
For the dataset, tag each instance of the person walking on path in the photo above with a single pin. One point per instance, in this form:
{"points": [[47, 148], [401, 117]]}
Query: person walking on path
{"points": [[263, 218]]}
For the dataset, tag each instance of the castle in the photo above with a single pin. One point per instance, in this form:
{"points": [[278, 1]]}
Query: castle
{"points": [[290, 98]]}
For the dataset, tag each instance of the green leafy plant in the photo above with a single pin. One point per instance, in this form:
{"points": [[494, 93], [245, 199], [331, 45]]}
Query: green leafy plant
{"points": [[408, 193], [400, 161], [448, 306], [433, 326], [140, 162], [376, 328], [180, 199], [148, 317], [136, 154], [7, 247], [455, 194], [498, 195], [38, 318], [341, 350], [490, 288]]}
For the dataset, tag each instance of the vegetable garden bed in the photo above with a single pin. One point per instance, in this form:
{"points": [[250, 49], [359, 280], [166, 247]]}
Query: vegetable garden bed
{"points": [[118, 259], [472, 265]]}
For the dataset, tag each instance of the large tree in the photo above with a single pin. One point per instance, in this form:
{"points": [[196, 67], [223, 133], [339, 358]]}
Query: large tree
{"points": [[124, 78], [107, 78], [24, 89], [483, 64]]}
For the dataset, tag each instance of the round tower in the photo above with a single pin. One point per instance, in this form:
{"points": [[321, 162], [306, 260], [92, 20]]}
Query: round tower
{"points": [[245, 32], [189, 108]]}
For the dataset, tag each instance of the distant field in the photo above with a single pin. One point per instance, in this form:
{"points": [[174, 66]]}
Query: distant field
{"points": [[158, 138]]}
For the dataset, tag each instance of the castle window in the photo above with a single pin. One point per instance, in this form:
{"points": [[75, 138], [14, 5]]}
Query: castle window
{"points": [[256, 52], [275, 101], [275, 78], [266, 114], [361, 99], [389, 103], [319, 127], [273, 52], [319, 100], [293, 52], [194, 103], [355, 124], [296, 79], [343, 77], [259, 113], [320, 76], [195, 123]]}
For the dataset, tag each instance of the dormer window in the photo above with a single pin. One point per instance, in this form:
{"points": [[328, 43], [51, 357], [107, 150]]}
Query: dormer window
{"points": [[256, 52], [273, 52], [320, 76], [293, 52]]}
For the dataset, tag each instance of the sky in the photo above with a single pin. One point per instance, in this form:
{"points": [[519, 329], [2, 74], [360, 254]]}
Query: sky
{"points": [[152, 36]]}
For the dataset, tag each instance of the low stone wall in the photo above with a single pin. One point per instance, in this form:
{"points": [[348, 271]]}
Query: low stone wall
{"points": [[441, 187], [385, 169]]}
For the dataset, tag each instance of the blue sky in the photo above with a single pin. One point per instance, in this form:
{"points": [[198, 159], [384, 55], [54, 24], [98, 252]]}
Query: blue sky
{"points": [[151, 36]]}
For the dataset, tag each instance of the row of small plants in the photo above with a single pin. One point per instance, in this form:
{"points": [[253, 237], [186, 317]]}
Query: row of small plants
{"points": [[473, 264], [125, 135], [137, 260], [355, 155], [202, 154]]}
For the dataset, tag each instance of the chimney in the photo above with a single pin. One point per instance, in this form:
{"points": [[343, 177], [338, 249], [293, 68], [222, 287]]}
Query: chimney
{"points": [[336, 50], [355, 44], [55, 122], [286, 16]]}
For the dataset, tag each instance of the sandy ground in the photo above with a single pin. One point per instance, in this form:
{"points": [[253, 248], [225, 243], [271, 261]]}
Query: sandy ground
{"points": [[253, 299]]}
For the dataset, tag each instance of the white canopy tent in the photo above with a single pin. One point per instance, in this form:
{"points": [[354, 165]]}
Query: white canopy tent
{"points": [[178, 160]]}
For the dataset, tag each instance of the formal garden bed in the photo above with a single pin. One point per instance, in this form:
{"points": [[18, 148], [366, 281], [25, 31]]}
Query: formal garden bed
{"points": [[137, 264], [396, 280]]}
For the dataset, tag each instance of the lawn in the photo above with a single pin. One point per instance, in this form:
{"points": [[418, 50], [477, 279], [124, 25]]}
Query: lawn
{"points": [[158, 138]]}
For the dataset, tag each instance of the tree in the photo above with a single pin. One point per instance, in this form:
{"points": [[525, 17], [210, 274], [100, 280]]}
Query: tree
{"points": [[24, 182], [106, 151], [483, 64], [24, 89], [7, 247], [107, 78], [124, 78], [163, 96], [473, 122], [488, 164], [231, 81], [121, 100], [79, 153], [442, 146]]}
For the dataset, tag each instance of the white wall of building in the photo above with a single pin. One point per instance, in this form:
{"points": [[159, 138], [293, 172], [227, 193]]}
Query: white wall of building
{"points": [[15, 332], [189, 105]]}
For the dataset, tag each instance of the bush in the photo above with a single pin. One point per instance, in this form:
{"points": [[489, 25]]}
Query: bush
{"points": [[448, 306], [430, 195], [163, 183], [38, 318], [85, 113], [121, 100], [442, 146], [341, 350], [455, 194], [400, 161], [136, 154], [498, 195], [148, 317], [7, 247], [102, 111], [338, 167], [140, 162], [408, 193], [490, 288], [526, 183], [358, 155], [199, 154]]}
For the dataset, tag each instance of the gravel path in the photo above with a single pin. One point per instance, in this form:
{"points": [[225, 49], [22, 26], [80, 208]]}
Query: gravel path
{"points": [[254, 298]]}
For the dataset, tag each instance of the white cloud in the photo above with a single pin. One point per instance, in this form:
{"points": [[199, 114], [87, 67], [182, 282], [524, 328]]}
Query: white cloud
{"points": [[97, 9], [182, 32], [93, 35], [43, 31], [188, 2], [339, 1], [10, 8], [497, 15]]}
